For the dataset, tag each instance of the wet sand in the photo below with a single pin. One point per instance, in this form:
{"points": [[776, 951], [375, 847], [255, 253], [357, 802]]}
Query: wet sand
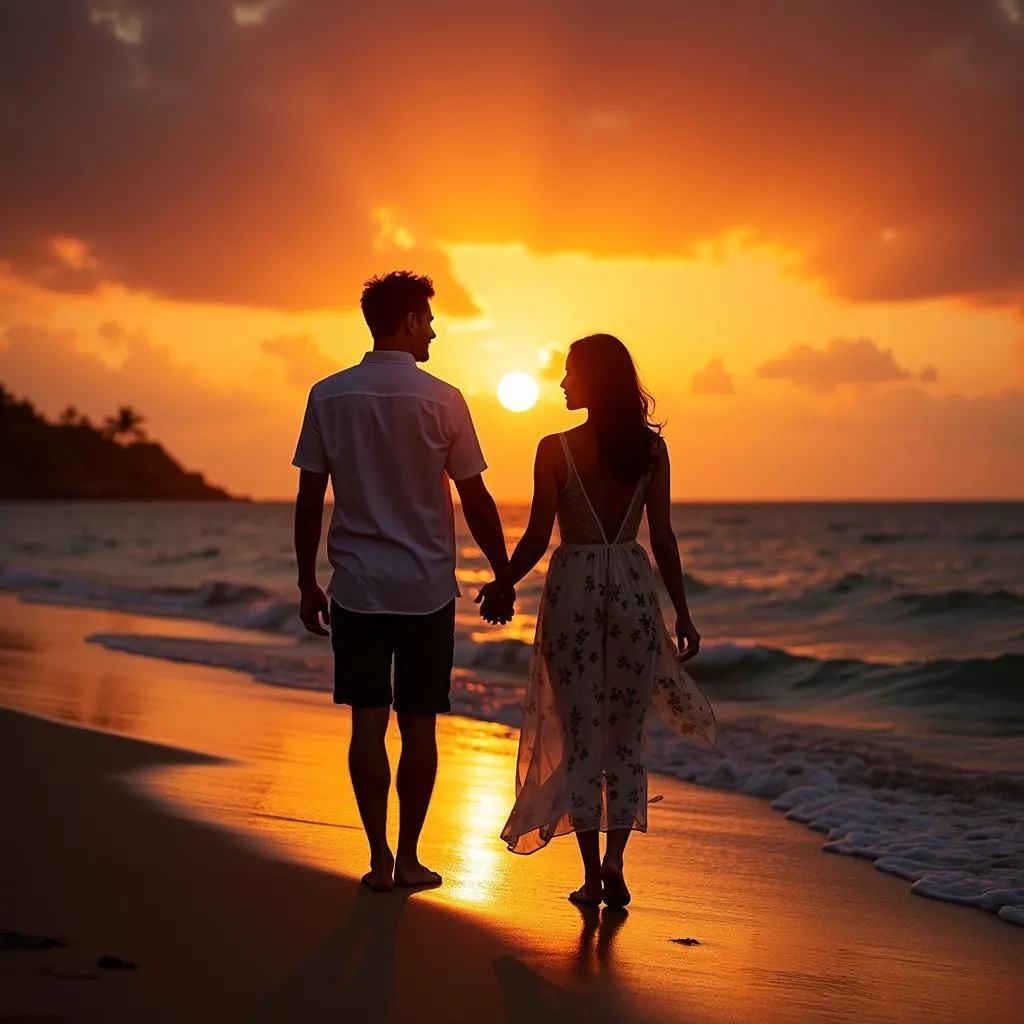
{"points": [[216, 841]]}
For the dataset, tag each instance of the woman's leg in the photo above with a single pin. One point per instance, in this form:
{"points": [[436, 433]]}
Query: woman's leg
{"points": [[616, 846], [590, 893], [616, 894]]}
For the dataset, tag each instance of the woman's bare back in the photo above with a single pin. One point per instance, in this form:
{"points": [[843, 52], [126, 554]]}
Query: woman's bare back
{"points": [[610, 495]]}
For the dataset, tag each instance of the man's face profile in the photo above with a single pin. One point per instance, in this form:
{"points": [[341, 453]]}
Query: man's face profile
{"points": [[421, 326]]}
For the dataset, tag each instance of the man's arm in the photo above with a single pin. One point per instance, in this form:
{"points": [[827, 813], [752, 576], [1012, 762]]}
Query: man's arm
{"points": [[309, 517], [482, 518], [498, 597]]}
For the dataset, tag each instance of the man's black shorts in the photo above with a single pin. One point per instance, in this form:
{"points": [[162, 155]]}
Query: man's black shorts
{"points": [[422, 647]]}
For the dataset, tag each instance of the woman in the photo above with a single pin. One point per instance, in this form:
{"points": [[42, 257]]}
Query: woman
{"points": [[602, 655]]}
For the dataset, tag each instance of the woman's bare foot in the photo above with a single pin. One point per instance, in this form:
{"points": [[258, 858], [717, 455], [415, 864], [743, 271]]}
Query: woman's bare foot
{"points": [[589, 894], [414, 875], [380, 877], [616, 894]]}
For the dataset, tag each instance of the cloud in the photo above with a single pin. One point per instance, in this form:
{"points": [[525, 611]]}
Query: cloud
{"points": [[844, 361], [553, 364], [712, 380], [304, 363], [241, 153], [895, 442]]}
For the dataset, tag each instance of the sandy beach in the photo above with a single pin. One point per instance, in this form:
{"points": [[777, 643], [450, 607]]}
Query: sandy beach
{"points": [[203, 825]]}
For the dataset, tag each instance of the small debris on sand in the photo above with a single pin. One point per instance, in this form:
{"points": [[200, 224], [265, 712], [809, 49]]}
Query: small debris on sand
{"points": [[60, 972], [10, 939], [115, 963]]}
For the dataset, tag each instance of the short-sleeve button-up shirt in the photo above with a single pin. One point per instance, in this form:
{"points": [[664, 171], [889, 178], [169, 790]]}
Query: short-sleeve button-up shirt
{"points": [[391, 436]]}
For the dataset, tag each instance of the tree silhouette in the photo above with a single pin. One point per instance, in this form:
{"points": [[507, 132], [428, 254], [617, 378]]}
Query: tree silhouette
{"points": [[69, 417], [126, 424]]}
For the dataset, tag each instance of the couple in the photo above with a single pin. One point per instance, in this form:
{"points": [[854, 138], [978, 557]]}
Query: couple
{"points": [[389, 437]]}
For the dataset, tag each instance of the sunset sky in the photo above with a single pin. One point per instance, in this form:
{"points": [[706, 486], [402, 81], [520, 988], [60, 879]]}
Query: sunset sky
{"points": [[804, 217]]}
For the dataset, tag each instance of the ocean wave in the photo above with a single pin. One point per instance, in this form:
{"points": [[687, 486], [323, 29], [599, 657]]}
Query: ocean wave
{"points": [[959, 602], [990, 689], [225, 603], [956, 835], [853, 582], [512, 656], [184, 557], [250, 606], [983, 696], [995, 537], [894, 537]]}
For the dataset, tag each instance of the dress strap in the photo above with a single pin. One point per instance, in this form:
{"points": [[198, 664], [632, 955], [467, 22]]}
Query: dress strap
{"points": [[565, 451]]}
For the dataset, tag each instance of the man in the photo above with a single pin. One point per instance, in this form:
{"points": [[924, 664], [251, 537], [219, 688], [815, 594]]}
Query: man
{"points": [[390, 436]]}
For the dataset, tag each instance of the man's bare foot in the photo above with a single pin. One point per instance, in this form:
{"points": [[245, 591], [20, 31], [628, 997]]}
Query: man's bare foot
{"points": [[589, 894], [414, 875], [380, 877], [616, 894]]}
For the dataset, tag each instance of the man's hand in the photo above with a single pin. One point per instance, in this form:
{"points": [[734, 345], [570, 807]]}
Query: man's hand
{"points": [[313, 605], [496, 605], [688, 637]]}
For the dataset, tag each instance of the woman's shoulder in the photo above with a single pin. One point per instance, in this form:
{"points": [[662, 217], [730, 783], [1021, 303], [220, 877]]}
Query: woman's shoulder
{"points": [[659, 451], [549, 446], [550, 442]]}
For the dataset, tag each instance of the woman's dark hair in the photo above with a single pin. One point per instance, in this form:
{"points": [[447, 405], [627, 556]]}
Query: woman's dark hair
{"points": [[620, 407]]}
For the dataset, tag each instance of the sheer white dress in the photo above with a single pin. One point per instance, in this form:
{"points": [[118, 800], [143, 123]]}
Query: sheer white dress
{"points": [[602, 657]]}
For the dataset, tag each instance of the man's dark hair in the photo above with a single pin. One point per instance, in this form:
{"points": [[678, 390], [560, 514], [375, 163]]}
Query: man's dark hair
{"points": [[386, 301]]}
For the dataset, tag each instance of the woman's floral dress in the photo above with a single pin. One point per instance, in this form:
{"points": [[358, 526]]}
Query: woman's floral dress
{"points": [[602, 658]]}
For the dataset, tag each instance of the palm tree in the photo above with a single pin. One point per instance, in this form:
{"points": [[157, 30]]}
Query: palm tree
{"points": [[126, 424], [70, 417]]}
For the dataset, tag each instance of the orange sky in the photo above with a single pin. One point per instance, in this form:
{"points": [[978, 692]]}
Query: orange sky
{"points": [[823, 290]]}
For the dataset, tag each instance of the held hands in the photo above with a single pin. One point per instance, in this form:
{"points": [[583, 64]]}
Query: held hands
{"points": [[496, 603], [688, 637], [313, 605]]}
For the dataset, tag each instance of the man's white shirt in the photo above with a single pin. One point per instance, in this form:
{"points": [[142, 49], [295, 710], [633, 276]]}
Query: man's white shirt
{"points": [[391, 436]]}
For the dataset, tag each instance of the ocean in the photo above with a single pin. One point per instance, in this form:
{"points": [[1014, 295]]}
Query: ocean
{"points": [[865, 660]]}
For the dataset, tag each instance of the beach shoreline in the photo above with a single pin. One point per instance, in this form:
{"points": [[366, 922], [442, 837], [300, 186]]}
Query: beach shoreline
{"points": [[260, 916]]}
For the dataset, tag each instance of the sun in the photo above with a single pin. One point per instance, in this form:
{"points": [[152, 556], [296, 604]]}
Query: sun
{"points": [[518, 392]]}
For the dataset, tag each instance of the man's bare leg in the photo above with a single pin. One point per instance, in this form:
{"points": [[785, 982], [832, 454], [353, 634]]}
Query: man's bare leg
{"points": [[371, 779], [417, 769]]}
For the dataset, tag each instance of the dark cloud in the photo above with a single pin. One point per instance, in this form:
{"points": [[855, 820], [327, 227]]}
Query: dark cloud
{"points": [[304, 363], [250, 163], [843, 361], [714, 379]]}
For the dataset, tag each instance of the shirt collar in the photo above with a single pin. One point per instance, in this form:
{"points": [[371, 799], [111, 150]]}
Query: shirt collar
{"points": [[388, 356]]}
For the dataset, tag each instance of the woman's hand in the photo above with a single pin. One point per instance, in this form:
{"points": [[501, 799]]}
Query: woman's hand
{"points": [[496, 603], [688, 637]]}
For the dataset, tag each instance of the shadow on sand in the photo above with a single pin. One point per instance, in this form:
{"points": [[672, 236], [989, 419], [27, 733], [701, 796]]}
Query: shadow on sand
{"points": [[593, 994], [350, 976]]}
